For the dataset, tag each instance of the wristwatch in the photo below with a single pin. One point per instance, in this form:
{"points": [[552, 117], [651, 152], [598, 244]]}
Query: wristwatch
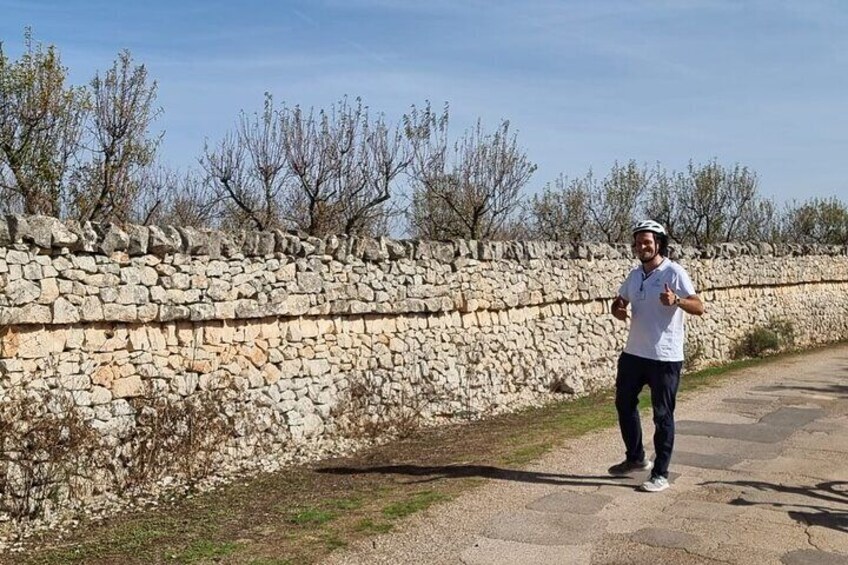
{"points": [[676, 300]]}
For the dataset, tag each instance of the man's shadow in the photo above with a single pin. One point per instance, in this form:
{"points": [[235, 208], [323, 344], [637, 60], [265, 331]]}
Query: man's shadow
{"points": [[428, 473]]}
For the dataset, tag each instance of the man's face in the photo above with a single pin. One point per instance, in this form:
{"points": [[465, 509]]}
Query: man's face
{"points": [[645, 246]]}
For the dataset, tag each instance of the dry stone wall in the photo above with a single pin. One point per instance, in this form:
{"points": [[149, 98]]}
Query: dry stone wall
{"points": [[314, 338]]}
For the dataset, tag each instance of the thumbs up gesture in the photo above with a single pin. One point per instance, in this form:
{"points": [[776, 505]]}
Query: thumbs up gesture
{"points": [[667, 296]]}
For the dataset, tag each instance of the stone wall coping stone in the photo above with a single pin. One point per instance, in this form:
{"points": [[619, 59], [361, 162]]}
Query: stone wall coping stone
{"points": [[50, 235]]}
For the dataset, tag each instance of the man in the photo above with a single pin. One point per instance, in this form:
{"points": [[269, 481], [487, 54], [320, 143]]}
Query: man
{"points": [[659, 292]]}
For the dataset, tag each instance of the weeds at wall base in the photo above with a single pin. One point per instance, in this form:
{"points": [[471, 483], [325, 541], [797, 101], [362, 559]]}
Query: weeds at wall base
{"points": [[53, 462], [777, 335]]}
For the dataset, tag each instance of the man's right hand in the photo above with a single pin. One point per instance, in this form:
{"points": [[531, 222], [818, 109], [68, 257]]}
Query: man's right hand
{"points": [[619, 308]]}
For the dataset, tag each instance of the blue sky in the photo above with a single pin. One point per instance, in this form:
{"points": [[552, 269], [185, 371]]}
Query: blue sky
{"points": [[585, 83]]}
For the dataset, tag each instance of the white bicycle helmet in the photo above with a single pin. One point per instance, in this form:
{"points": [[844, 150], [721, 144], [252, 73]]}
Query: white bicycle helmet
{"points": [[649, 225]]}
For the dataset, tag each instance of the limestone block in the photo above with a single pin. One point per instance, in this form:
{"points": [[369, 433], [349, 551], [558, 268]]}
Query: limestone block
{"points": [[171, 312], [111, 238], [15, 257], [313, 425], [201, 366], [120, 313], [225, 310], [22, 291], [257, 356], [75, 382], [270, 330], [255, 378], [15, 272], [271, 373], [293, 333], [49, 290], [9, 346], [308, 328], [286, 273], [184, 385], [163, 240], [104, 376], [81, 398], [291, 368], [397, 345], [75, 338], [32, 271], [375, 325], [100, 395], [219, 290], [317, 367], [296, 305], [202, 311], [40, 344], [147, 313], [64, 312], [128, 387], [84, 263]]}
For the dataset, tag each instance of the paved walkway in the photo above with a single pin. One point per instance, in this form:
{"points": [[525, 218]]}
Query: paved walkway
{"points": [[759, 476]]}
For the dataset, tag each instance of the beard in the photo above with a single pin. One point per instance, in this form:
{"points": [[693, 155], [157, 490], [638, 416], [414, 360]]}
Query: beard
{"points": [[647, 256]]}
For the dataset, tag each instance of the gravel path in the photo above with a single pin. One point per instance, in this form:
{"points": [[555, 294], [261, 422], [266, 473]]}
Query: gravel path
{"points": [[759, 475]]}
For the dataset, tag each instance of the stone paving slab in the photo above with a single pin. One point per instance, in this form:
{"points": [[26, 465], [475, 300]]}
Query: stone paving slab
{"points": [[765, 537], [487, 551], [660, 537], [545, 529], [705, 460], [570, 502], [700, 510], [809, 467], [833, 537], [726, 446], [793, 418], [826, 426], [726, 416], [628, 552], [746, 401], [813, 557], [748, 432], [823, 441]]}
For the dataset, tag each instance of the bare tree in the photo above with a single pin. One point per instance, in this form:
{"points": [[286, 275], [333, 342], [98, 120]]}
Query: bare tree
{"points": [[817, 220], [118, 137], [250, 169], [470, 190], [40, 126], [561, 212], [321, 172], [614, 202], [713, 201], [344, 166], [167, 197], [383, 154], [662, 202], [761, 222]]}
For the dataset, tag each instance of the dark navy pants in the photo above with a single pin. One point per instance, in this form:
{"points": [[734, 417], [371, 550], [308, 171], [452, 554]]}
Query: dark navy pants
{"points": [[663, 378]]}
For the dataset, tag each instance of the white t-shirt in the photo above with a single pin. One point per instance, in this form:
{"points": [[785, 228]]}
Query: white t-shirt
{"points": [[656, 330]]}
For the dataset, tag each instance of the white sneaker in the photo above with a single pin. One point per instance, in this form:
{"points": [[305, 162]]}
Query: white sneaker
{"points": [[655, 484]]}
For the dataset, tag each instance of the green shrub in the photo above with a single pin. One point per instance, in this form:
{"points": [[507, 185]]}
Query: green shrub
{"points": [[784, 330], [760, 341]]}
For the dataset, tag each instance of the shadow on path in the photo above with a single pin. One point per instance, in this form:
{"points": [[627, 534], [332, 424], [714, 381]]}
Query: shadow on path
{"points": [[437, 472], [834, 492]]}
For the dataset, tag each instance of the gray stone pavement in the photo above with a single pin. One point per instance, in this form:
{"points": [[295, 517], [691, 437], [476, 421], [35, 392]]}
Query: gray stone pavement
{"points": [[759, 476]]}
